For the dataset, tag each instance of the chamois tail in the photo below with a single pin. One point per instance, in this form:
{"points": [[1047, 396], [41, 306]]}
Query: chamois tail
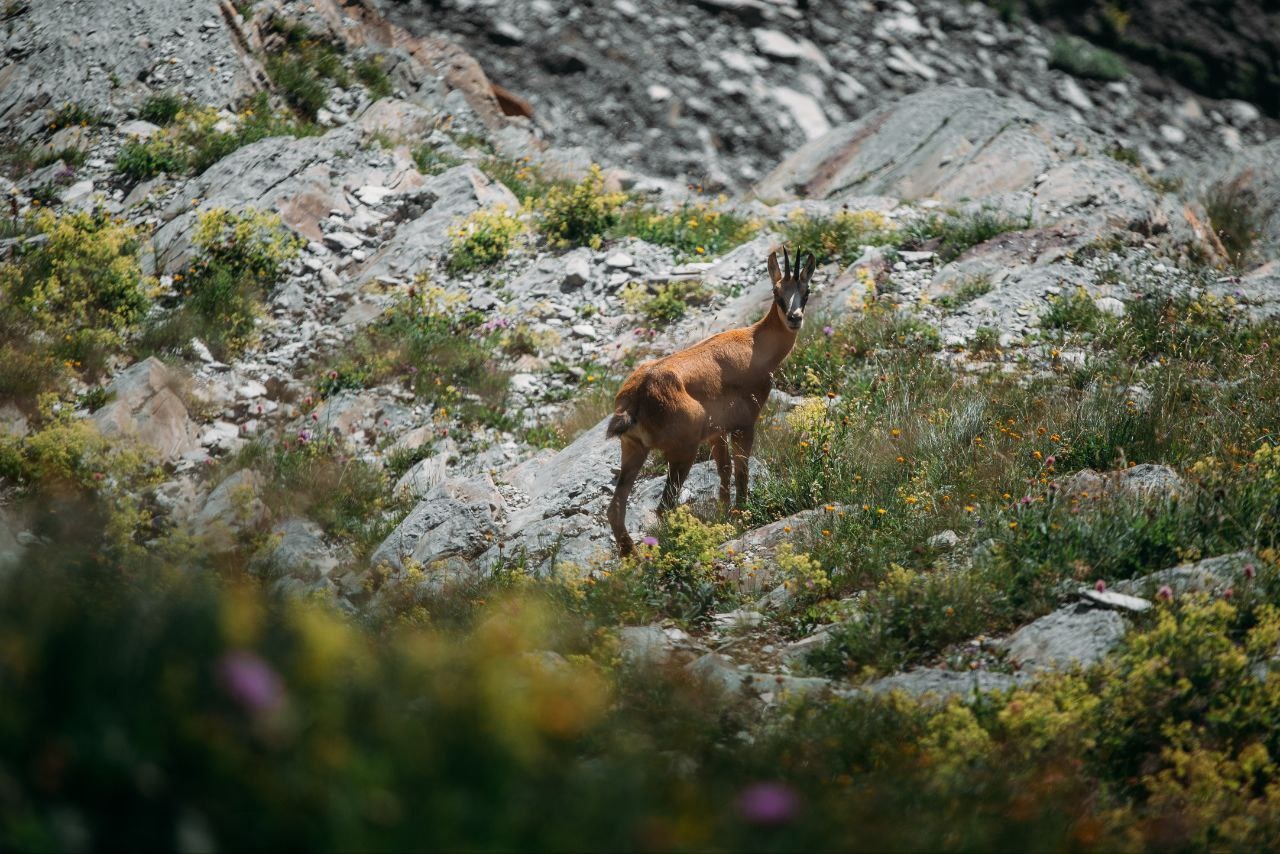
{"points": [[624, 417]]}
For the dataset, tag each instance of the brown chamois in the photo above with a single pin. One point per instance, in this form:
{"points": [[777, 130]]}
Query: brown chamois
{"points": [[711, 392]]}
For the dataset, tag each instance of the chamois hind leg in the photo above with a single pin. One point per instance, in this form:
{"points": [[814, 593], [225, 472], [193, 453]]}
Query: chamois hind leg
{"points": [[742, 442], [633, 456], [678, 465], [720, 453]]}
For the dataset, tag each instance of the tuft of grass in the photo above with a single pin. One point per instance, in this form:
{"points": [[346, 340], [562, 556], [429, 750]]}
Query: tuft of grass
{"points": [[1080, 58], [482, 239], [73, 114], [163, 108], [527, 180], [667, 303], [964, 293], [1074, 312], [1233, 214], [840, 237], [303, 67], [431, 161], [578, 214], [371, 73]]}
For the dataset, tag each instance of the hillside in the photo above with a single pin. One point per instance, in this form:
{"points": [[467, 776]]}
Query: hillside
{"points": [[314, 312]]}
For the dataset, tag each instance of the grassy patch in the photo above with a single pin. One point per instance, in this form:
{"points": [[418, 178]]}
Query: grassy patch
{"points": [[1083, 59], [953, 234], [371, 73], [695, 229], [303, 66], [164, 108], [840, 237], [75, 114], [579, 214], [240, 257], [527, 180], [442, 350], [964, 293], [1233, 214], [431, 161]]}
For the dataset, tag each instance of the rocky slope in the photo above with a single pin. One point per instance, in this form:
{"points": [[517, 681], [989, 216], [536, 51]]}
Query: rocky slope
{"points": [[905, 110]]}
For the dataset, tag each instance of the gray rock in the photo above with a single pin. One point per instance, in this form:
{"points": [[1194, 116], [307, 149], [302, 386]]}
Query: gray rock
{"points": [[1070, 635], [297, 549], [936, 685], [720, 672], [944, 540], [146, 407], [1211, 575], [233, 508], [1115, 601], [577, 269], [457, 518], [1147, 481]]}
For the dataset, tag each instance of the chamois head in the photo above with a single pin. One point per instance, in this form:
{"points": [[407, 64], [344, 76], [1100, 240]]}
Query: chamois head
{"points": [[791, 286]]}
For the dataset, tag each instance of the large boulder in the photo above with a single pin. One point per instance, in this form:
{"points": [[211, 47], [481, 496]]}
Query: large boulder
{"points": [[233, 508], [146, 407]]}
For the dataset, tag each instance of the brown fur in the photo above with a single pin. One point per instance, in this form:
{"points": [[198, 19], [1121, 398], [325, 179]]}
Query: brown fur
{"points": [[709, 393]]}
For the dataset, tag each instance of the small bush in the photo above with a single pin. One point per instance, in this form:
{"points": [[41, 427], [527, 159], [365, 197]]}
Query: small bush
{"points": [[140, 159], [482, 239], [163, 109], [1074, 312], [695, 229], [1082, 59], [75, 114], [74, 298], [581, 214], [667, 303], [303, 67], [431, 161], [240, 257], [526, 179], [838, 238]]}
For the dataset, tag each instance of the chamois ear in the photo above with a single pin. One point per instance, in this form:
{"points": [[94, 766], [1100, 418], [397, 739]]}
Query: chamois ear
{"points": [[775, 274], [807, 273]]}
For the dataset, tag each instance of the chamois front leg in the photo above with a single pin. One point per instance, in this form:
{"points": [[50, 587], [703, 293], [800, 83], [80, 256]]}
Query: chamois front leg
{"points": [[678, 465], [720, 453], [742, 443], [633, 456]]}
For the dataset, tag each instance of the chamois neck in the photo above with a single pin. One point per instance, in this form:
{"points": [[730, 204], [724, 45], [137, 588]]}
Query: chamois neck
{"points": [[773, 340]]}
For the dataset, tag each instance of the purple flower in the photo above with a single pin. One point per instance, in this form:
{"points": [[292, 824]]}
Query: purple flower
{"points": [[650, 541], [304, 436], [1165, 593], [768, 803], [250, 681], [1100, 585], [828, 331], [1249, 571]]}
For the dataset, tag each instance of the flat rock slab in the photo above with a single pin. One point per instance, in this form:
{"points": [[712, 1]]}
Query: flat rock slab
{"points": [[768, 687], [938, 685], [1211, 575], [1069, 636]]}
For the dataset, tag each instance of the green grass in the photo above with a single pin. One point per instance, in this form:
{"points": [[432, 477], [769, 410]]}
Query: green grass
{"points": [[964, 293], [839, 237], [163, 108], [695, 229], [371, 74], [304, 66], [952, 234], [1234, 216], [1077, 56]]}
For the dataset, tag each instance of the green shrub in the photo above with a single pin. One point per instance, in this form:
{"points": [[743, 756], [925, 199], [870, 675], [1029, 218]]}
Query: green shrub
{"points": [[526, 179], [840, 237], [1082, 59], [695, 229], [239, 258], [667, 303], [163, 108], [75, 297], [75, 114], [482, 239], [581, 214], [1074, 312], [140, 159], [431, 161]]}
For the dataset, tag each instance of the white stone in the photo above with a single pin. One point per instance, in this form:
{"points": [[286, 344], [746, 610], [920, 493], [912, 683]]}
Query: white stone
{"points": [[78, 190], [584, 330], [1115, 601], [343, 240], [251, 389], [658, 92], [620, 261], [137, 128], [1068, 90], [903, 61], [371, 194], [1173, 135], [1110, 305], [1242, 113], [805, 110], [777, 44]]}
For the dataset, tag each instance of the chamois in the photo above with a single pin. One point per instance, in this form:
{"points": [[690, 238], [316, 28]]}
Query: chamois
{"points": [[711, 392]]}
